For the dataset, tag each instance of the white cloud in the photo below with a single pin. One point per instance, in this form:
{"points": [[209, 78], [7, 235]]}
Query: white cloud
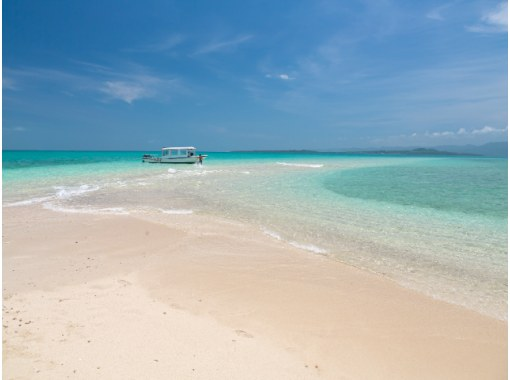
{"points": [[280, 76], [487, 129], [222, 45], [463, 132], [127, 92], [461, 136], [129, 88], [498, 16], [440, 134], [493, 21]]}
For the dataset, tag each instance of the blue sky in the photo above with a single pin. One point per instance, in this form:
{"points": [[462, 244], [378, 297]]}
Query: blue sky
{"points": [[229, 75]]}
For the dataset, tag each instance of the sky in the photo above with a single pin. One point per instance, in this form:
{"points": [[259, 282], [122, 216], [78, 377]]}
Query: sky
{"points": [[234, 75]]}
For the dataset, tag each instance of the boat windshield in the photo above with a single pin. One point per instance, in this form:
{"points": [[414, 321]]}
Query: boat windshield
{"points": [[178, 152]]}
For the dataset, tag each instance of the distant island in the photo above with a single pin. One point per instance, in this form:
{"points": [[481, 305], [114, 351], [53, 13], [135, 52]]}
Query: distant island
{"points": [[279, 151], [413, 152], [418, 152], [494, 149]]}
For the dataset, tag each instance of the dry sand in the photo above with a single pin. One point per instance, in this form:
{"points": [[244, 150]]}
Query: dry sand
{"points": [[119, 297]]}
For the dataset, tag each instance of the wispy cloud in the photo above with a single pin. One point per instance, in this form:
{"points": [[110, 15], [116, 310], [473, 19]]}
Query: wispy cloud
{"points": [[15, 129], [128, 85], [30, 77], [127, 92], [345, 94], [8, 83], [493, 20], [218, 46], [135, 86], [132, 87], [438, 13]]}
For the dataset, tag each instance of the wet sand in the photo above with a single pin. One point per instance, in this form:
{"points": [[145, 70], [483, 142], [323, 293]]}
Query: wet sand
{"points": [[192, 297]]}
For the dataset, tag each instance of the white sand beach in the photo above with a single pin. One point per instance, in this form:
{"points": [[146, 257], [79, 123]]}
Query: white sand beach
{"points": [[119, 297]]}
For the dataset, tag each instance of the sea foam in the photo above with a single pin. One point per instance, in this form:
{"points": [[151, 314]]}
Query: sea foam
{"points": [[300, 165], [273, 234], [176, 211], [100, 211], [62, 192], [28, 202], [65, 192], [307, 247]]}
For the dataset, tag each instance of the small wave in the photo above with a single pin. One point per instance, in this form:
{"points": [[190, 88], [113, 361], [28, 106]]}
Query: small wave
{"points": [[65, 192], [200, 171], [273, 234], [306, 247], [300, 165], [62, 192], [176, 211], [100, 211], [184, 173], [309, 247], [28, 202]]}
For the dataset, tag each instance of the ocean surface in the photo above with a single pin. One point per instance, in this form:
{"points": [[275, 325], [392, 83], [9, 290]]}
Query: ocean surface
{"points": [[437, 225]]}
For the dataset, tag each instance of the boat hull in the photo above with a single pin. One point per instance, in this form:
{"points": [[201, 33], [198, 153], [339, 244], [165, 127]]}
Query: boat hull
{"points": [[158, 160], [177, 160]]}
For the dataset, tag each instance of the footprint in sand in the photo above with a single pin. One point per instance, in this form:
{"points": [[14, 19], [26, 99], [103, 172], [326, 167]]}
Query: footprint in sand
{"points": [[124, 282], [244, 334]]}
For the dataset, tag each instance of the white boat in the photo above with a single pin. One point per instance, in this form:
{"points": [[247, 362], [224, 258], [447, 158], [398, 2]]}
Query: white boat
{"points": [[176, 155]]}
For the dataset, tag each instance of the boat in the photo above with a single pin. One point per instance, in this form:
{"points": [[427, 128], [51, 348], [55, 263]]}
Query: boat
{"points": [[175, 155]]}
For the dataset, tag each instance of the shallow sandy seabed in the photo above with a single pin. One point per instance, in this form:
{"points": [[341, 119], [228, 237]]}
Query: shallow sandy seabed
{"points": [[192, 297]]}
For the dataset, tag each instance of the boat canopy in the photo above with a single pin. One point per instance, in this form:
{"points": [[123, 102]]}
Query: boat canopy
{"points": [[180, 147]]}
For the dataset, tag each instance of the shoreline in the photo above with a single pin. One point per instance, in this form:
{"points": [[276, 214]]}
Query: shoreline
{"points": [[234, 301]]}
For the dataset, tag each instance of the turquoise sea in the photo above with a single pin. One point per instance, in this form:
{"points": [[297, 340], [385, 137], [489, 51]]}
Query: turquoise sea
{"points": [[434, 224]]}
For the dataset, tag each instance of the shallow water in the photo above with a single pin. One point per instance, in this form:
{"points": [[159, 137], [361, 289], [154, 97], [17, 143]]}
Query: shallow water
{"points": [[434, 224]]}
